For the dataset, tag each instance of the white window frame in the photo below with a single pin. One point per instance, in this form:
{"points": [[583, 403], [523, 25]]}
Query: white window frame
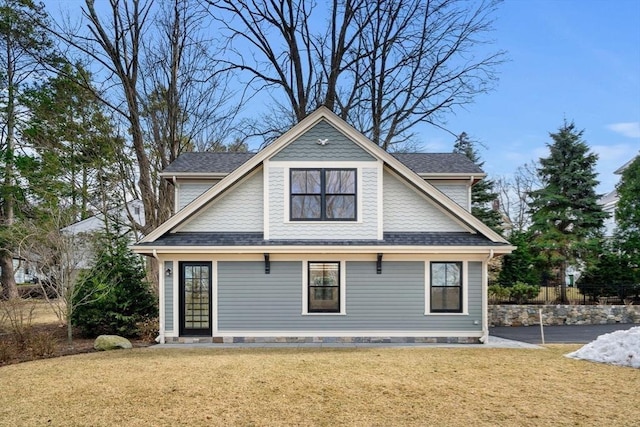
{"points": [[427, 288], [305, 287]]}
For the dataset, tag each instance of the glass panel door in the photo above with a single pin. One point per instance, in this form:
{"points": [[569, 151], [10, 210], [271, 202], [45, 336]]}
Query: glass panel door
{"points": [[195, 298]]}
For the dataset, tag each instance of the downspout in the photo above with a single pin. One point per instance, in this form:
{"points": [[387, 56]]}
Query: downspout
{"points": [[160, 338], [485, 301]]}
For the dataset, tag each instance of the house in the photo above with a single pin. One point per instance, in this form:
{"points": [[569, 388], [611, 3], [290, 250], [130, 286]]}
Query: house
{"points": [[85, 230], [22, 271], [323, 237], [609, 203]]}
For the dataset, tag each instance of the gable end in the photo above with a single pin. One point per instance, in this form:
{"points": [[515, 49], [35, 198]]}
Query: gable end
{"points": [[308, 146]]}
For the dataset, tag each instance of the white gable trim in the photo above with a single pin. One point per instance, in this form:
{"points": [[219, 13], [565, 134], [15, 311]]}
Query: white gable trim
{"points": [[355, 136]]}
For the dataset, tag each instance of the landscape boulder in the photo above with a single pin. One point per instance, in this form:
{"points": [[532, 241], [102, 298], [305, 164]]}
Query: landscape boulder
{"points": [[111, 342]]}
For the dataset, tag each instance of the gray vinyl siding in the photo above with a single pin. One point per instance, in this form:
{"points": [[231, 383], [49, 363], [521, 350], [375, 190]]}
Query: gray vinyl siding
{"points": [[250, 300], [459, 193], [281, 229], [188, 192], [407, 211], [239, 209], [338, 148], [168, 296], [475, 290]]}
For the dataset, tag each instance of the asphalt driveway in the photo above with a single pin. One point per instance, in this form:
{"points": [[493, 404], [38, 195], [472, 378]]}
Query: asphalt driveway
{"points": [[565, 334]]}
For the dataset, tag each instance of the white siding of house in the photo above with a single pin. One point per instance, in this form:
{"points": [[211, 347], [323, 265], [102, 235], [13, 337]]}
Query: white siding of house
{"points": [[189, 191], [239, 209], [365, 228], [459, 193], [407, 211]]}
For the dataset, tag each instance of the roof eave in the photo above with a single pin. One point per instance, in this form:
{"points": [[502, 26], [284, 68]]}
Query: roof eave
{"points": [[301, 249], [169, 176]]}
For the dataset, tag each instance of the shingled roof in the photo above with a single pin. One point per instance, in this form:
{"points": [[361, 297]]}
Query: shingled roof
{"points": [[207, 163], [425, 163], [222, 163], [257, 239]]}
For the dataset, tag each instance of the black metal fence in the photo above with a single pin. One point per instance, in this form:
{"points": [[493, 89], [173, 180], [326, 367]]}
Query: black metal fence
{"points": [[585, 294]]}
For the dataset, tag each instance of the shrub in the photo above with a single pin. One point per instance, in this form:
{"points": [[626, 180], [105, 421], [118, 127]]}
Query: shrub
{"points": [[148, 329], [16, 316], [41, 344], [7, 349], [114, 295], [521, 292], [499, 293]]}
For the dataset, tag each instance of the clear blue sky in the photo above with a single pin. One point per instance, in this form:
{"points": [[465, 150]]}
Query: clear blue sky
{"points": [[573, 59]]}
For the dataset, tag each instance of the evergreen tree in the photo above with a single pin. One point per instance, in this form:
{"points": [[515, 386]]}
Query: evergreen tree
{"points": [[520, 265], [482, 194], [566, 217], [627, 213], [612, 275], [126, 297], [73, 141], [25, 46]]}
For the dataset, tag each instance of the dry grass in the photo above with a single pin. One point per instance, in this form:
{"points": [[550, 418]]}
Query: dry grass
{"points": [[29, 312], [361, 387], [44, 313]]}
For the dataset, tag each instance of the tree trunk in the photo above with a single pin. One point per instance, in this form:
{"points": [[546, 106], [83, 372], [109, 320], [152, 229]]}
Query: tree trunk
{"points": [[9, 288], [69, 310], [563, 283]]}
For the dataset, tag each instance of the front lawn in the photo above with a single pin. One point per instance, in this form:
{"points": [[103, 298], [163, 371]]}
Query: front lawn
{"points": [[326, 387]]}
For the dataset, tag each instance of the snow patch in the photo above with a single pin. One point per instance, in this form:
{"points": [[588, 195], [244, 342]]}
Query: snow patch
{"points": [[617, 348]]}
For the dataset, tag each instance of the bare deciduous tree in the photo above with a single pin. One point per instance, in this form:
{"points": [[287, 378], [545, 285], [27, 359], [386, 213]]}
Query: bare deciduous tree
{"points": [[156, 74], [514, 194], [56, 258], [384, 66]]}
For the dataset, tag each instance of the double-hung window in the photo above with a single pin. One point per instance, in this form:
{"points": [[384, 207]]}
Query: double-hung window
{"points": [[446, 287], [323, 195], [324, 287]]}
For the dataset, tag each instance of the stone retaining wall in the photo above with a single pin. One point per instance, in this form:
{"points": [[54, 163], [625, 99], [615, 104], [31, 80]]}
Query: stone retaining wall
{"points": [[527, 315]]}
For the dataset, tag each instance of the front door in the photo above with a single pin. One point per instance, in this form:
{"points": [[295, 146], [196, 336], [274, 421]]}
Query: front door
{"points": [[195, 298]]}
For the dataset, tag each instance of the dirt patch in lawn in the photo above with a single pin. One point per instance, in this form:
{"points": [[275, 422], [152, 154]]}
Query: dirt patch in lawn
{"points": [[30, 330], [320, 387], [43, 341]]}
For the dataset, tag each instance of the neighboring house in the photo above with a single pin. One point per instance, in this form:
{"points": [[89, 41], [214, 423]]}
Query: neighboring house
{"points": [[609, 203], [85, 230], [22, 272], [321, 237]]}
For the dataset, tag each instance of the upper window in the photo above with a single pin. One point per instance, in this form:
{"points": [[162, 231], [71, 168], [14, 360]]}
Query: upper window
{"points": [[323, 194], [446, 287], [324, 287]]}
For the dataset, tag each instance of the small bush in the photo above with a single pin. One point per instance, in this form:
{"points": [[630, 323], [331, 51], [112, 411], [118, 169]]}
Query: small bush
{"points": [[7, 349], [41, 344], [16, 316], [148, 329], [522, 293], [499, 293]]}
